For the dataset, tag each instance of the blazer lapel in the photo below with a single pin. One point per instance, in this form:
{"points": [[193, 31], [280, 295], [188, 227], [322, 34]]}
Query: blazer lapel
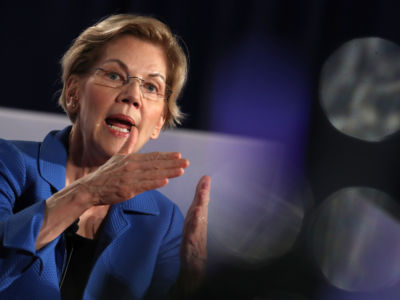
{"points": [[120, 217], [53, 158]]}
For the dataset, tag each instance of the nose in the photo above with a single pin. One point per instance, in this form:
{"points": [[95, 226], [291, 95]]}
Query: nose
{"points": [[132, 94]]}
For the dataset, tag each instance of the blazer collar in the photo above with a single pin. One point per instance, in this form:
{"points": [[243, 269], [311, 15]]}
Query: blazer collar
{"points": [[121, 217], [144, 203], [53, 155], [118, 215]]}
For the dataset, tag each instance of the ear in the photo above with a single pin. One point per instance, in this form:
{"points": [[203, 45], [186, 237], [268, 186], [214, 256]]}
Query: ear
{"points": [[72, 93], [157, 129]]}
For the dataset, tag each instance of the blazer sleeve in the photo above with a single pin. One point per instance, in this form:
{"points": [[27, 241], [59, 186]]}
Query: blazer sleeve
{"points": [[168, 261], [18, 230]]}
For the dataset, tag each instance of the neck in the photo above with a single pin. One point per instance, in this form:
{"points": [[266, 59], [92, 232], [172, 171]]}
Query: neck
{"points": [[81, 161]]}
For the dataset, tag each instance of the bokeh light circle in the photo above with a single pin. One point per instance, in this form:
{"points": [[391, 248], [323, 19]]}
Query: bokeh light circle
{"points": [[360, 88], [355, 239]]}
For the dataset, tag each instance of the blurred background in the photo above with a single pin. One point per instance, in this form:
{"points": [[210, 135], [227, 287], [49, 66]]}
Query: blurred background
{"points": [[293, 109]]}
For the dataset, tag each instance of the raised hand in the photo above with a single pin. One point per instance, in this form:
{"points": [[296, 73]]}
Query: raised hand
{"points": [[193, 251], [128, 174]]}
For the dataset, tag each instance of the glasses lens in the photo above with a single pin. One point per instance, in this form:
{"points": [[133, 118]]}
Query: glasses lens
{"points": [[108, 78], [151, 90]]}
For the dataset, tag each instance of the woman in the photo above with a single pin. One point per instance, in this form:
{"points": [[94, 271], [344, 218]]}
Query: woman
{"points": [[121, 79]]}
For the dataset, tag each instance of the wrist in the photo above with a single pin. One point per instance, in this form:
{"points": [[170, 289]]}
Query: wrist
{"points": [[61, 210], [84, 194]]}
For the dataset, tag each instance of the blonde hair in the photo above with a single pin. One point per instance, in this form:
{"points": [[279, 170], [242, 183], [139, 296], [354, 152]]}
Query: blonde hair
{"points": [[86, 50]]}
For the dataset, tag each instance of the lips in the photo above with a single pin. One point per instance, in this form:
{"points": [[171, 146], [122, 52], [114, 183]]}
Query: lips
{"points": [[120, 122]]}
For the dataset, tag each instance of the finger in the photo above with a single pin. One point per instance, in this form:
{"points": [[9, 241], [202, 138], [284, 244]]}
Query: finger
{"points": [[130, 142], [197, 220], [159, 164], [197, 216], [194, 236], [156, 156], [202, 194], [151, 180], [147, 185], [159, 174]]}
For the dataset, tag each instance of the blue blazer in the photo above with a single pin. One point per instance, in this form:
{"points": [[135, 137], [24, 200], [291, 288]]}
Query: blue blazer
{"points": [[138, 245]]}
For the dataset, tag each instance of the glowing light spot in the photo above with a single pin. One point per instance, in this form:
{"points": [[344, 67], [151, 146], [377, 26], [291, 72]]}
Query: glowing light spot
{"points": [[359, 88], [356, 239]]}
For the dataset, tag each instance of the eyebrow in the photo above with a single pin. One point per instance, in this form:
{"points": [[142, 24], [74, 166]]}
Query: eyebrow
{"points": [[121, 64], [124, 66], [157, 75]]}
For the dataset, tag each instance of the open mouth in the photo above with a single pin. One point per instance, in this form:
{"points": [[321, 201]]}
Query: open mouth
{"points": [[120, 123]]}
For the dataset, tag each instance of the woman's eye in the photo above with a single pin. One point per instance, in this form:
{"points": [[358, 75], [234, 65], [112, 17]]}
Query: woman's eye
{"points": [[113, 76], [150, 88]]}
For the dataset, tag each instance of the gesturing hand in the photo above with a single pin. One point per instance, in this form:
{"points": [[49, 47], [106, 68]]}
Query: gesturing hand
{"points": [[127, 174], [193, 251]]}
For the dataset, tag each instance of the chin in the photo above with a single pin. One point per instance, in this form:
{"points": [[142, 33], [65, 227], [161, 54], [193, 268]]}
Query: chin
{"points": [[111, 149]]}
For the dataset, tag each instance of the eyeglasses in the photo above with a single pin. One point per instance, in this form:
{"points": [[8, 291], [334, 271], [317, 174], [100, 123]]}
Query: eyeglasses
{"points": [[149, 90]]}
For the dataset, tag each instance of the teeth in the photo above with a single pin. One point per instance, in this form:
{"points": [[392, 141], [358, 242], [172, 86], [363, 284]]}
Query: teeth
{"points": [[118, 128]]}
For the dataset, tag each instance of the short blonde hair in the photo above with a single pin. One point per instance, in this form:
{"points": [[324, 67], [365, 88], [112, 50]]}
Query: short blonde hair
{"points": [[87, 48]]}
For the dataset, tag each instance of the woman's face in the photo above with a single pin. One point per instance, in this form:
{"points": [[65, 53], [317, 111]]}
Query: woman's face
{"points": [[108, 114]]}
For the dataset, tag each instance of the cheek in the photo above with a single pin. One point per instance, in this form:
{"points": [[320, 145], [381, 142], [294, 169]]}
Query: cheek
{"points": [[94, 102], [153, 115]]}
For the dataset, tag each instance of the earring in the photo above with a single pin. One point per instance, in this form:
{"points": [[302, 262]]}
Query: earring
{"points": [[74, 101]]}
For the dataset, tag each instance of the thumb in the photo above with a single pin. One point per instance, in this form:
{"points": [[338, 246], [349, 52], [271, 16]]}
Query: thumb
{"points": [[130, 142]]}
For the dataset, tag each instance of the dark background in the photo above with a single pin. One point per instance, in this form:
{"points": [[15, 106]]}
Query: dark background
{"points": [[254, 71]]}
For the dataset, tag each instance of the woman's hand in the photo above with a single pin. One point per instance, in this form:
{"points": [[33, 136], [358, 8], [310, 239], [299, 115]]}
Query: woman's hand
{"points": [[126, 175], [193, 252]]}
